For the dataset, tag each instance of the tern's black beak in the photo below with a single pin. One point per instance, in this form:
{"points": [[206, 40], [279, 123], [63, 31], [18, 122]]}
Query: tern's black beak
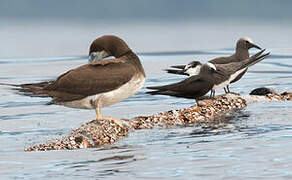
{"points": [[179, 66], [251, 45], [183, 71]]}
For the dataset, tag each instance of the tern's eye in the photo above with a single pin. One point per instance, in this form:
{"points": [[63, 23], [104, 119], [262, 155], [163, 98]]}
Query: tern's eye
{"points": [[212, 70]]}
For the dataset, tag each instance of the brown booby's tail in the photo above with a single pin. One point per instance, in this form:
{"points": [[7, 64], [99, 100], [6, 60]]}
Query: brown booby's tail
{"points": [[31, 89]]}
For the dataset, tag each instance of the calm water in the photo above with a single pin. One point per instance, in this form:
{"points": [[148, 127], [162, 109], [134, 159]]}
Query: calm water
{"points": [[255, 143]]}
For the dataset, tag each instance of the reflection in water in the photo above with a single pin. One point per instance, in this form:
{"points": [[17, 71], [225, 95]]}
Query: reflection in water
{"points": [[228, 123], [280, 64], [272, 72]]}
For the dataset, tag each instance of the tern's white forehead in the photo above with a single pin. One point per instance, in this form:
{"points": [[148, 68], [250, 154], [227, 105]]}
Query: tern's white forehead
{"points": [[193, 64], [211, 66], [247, 39], [188, 66]]}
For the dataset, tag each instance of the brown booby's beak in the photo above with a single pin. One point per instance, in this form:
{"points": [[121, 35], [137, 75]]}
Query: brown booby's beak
{"points": [[97, 56]]}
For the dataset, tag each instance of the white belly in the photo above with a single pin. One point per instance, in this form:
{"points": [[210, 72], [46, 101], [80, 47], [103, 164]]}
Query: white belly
{"points": [[225, 83], [217, 87], [111, 97], [233, 76]]}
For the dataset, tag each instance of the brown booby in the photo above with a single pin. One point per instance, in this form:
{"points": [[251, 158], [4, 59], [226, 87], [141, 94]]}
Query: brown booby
{"points": [[193, 87], [99, 83]]}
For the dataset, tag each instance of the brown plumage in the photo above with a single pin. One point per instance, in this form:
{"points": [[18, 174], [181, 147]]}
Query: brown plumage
{"points": [[91, 79], [90, 85], [193, 87], [228, 71], [241, 53]]}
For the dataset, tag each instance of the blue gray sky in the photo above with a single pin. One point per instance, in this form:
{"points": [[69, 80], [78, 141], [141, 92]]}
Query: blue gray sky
{"points": [[54, 28], [146, 9]]}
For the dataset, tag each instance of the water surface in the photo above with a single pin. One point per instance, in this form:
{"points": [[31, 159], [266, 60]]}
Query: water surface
{"points": [[254, 143]]}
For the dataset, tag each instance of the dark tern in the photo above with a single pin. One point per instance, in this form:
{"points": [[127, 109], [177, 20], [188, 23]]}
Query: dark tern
{"points": [[193, 87], [229, 71]]}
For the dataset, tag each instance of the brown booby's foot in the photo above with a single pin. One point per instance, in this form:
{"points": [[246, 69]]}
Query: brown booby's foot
{"points": [[99, 117], [118, 122]]}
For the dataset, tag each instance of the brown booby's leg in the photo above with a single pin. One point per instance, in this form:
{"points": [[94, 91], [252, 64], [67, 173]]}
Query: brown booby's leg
{"points": [[99, 117]]}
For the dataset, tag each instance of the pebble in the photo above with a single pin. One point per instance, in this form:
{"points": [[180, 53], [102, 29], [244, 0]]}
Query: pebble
{"points": [[96, 133]]}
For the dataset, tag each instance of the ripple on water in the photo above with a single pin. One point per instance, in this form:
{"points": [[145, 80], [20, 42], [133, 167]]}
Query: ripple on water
{"points": [[244, 144]]}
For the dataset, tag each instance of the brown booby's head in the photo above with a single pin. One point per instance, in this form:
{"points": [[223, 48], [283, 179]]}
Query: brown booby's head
{"points": [[108, 45], [246, 43]]}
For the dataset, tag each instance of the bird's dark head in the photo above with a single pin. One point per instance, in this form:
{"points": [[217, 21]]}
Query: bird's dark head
{"points": [[246, 43], [106, 46], [193, 68], [210, 68]]}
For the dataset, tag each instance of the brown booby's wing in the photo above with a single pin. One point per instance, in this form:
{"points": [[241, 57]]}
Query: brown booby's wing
{"points": [[91, 79]]}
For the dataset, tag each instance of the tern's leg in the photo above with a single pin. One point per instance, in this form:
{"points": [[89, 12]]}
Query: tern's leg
{"points": [[214, 94], [228, 91], [211, 94], [197, 101], [99, 117]]}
